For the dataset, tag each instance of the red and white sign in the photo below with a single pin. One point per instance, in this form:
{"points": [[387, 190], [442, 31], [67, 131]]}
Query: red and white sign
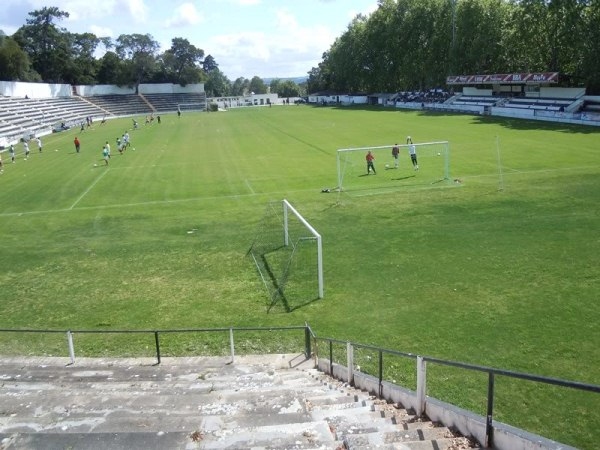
{"points": [[505, 78]]}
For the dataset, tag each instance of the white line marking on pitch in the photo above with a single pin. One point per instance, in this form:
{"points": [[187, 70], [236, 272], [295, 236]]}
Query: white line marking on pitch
{"points": [[249, 186], [88, 189]]}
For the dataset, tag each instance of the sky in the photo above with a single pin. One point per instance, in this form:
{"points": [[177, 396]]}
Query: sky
{"points": [[265, 38]]}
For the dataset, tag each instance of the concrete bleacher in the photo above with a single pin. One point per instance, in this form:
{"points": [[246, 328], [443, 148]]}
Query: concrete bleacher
{"points": [[476, 100], [121, 105], [539, 103], [170, 102], [261, 401], [24, 115]]}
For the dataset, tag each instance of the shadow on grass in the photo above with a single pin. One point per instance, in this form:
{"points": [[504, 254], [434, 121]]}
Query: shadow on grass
{"points": [[507, 122]]}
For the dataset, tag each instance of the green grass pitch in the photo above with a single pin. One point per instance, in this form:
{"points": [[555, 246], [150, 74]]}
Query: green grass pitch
{"points": [[462, 271]]}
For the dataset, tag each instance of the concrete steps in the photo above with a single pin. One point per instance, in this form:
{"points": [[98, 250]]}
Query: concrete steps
{"points": [[258, 402]]}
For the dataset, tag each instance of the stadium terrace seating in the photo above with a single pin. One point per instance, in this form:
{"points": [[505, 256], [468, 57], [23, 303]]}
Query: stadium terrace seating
{"points": [[170, 102], [544, 104], [19, 116], [591, 106], [192, 403], [430, 96], [476, 100], [121, 105]]}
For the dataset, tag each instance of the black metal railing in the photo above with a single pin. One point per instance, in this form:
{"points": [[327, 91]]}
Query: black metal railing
{"points": [[421, 362], [310, 339], [157, 333]]}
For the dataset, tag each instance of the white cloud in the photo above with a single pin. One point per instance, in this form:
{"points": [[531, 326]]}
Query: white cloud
{"points": [[370, 9], [185, 14], [137, 9], [101, 31], [289, 49]]}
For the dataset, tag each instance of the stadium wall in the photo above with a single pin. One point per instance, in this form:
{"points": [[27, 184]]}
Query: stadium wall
{"points": [[569, 93], [168, 88], [34, 90], [103, 89], [477, 92]]}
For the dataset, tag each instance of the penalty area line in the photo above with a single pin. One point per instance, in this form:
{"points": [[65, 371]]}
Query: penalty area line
{"points": [[250, 187], [88, 189]]}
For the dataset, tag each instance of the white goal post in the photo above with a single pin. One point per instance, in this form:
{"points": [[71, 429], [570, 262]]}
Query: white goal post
{"points": [[287, 209], [288, 254], [351, 161], [191, 106]]}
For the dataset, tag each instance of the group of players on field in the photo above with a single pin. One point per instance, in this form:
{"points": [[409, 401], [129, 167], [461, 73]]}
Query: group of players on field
{"points": [[122, 143], [412, 151]]}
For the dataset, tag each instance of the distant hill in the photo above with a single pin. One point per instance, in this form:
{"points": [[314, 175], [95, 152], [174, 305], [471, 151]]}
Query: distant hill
{"points": [[296, 80]]}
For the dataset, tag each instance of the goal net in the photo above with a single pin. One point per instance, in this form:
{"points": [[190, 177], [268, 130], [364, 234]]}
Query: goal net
{"points": [[433, 159], [288, 254], [191, 106]]}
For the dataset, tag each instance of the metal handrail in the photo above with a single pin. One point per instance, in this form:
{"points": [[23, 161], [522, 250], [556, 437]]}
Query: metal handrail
{"points": [[310, 336], [421, 382]]}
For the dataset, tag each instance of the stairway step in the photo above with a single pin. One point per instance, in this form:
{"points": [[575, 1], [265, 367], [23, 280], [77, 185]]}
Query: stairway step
{"points": [[373, 439], [93, 441]]}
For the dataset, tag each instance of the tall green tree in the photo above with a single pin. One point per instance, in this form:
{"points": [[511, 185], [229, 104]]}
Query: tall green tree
{"points": [[257, 85], [240, 86], [14, 62], [83, 65], [139, 52], [480, 25], [46, 44], [183, 62], [588, 72], [209, 64], [217, 84]]}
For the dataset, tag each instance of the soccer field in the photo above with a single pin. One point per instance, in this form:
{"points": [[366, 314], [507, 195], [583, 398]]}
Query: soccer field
{"points": [[459, 270]]}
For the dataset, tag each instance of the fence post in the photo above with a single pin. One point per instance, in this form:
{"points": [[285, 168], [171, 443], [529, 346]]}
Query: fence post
{"points": [[157, 347], [331, 358], [489, 426], [71, 346], [421, 385], [380, 374], [231, 345], [350, 359], [307, 349]]}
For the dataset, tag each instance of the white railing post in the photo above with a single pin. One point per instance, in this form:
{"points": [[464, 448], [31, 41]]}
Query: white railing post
{"points": [[421, 385], [350, 359], [231, 345], [71, 346]]}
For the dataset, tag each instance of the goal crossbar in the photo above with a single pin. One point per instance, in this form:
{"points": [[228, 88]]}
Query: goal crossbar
{"points": [[288, 208], [443, 149], [379, 147]]}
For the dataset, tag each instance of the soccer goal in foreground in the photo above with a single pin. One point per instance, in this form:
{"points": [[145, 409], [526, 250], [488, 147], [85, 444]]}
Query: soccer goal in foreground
{"points": [[288, 253], [433, 159]]}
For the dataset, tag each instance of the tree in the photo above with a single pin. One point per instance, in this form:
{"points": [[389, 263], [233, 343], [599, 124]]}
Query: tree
{"points": [[240, 87], [83, 66], [589, 71], [217, 84], [285, 88], [14, 63], [182, 62], [274, 85], [111, 70], [139, 54], [45, 43], [209, 64], [257, 85]]}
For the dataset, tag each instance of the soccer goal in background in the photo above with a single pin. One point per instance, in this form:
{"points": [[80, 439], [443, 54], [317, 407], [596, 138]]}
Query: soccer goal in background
{"points": [[288, 253], [433, 159], [191, 106]]}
